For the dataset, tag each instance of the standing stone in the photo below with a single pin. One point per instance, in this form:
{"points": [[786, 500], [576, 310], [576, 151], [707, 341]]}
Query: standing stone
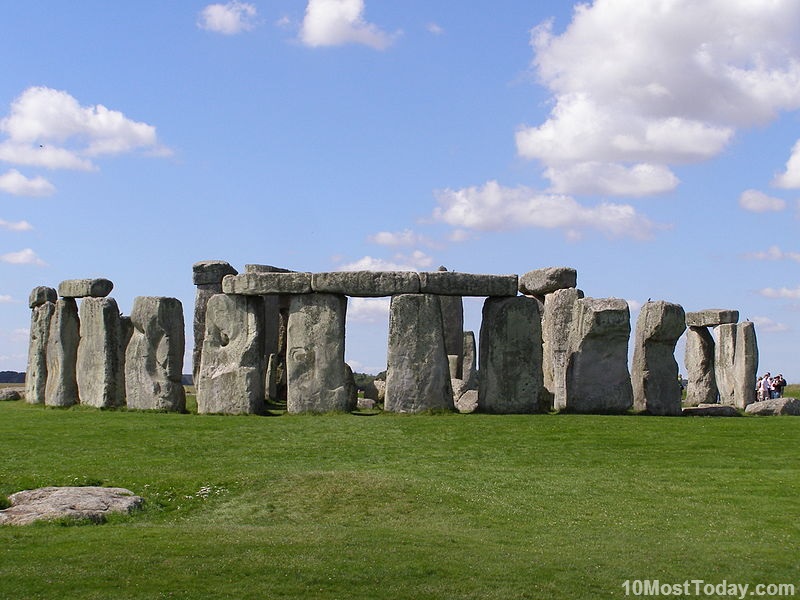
{"points": [[62, 354], [207, 275], [316, 375], [510, 356], [418, 374], [154, 355], [232, 363], [701, 386], [99, 370], [469, 371], [656, 389], [453, 321], [725, 351], [745, 365], [597, 377], [556, 324], [42, 303]]}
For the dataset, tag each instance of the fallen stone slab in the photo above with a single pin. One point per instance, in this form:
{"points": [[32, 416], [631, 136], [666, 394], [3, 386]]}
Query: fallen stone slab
{"points": [[774, 407], [468, 402], [711, 317], [45, 504], [452, 283], [85, 288], [366, 284], [365, 404], [711, 410], [208, 272], [41, 294], [263, 284], [546, 281], [10, 394]]}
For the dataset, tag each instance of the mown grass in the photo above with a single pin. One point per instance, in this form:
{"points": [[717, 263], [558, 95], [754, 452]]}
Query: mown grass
{"points": [[422, 507]]}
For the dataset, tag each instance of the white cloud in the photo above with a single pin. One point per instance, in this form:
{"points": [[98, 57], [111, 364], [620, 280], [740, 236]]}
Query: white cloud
{"points": [[674, 81], [6, 299], [781, 292], [611, 179], [15, 225], [774, 253], [415, 261], [406, 237], [768, 325], [493, 207], [434, 28], [634, 305], [338, 22], [790, 178], [49, 128], [14, 182], [759, 202], [368, 310], [23, 257], [229, 19]]}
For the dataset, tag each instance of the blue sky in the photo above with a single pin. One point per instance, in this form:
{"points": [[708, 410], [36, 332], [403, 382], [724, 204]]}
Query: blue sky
{"points": [[653, 146]]}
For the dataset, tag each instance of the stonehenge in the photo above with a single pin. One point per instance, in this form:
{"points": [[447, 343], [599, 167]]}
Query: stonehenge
{"points": [[269, 336]]}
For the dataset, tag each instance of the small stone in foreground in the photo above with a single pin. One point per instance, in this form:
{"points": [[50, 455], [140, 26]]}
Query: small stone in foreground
{"points": [[93, 503], [775, 406], [711, 410], [10, 394]]}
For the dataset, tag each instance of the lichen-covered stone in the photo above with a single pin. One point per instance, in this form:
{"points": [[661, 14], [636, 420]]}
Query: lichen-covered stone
{"points": [[541, 282], [36, 374], [556, 324], [745, 365], [85, 288], [724, 355], [62, 354], [41, 294], [711, 317], [262, 284], [208, 272], [452, 283], [99, 371], [701, 382], [366, 284]]}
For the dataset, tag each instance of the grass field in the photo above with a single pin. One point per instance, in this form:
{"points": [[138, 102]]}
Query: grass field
{"points": [[411, 507]]}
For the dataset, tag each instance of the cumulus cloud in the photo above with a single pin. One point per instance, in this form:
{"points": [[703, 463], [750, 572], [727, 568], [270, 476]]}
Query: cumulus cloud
{"points": [[759, 202], [339, 22], [674, 81], [23, 257], [49, 128], [790, 178], [415, 261], [15, 225], [434, 28], [229, 19], [780, 292], [14, 182], [493, 207], [768, 325], [368, 310], [774, 253], [407, 237]]}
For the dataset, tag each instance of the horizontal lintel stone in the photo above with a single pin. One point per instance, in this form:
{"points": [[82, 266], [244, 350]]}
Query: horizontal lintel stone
{"points": [[545, 281], [453, 283], [211, 271], [367, 284], [711, 317], [41, 294], [85, 288], [263, 284]]}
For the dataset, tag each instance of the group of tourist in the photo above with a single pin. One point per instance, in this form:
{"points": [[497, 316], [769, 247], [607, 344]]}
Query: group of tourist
{"points": [[770, 387]]}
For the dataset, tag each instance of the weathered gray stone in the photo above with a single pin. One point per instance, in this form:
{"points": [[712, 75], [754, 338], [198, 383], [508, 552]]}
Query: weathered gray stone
{"points": [[711, 317], [701, 383], [88, 502], [774, 407], [208, 272], [10, 394], [36, 374], [366, 284], [41, 294], [453, 322], [154, 355], [232, 367], [99, 371], [467, 402], [724, 355], [262, 284], [510, 356], [745, 365], [85, 288], [541, 282], [654, 374], [711, 410], [418, 375], [451, 283], [316, 374], [365, 404], [597, 377], [380, 390], [62, 354], [273, 305], [469, 369], [556, 325]]}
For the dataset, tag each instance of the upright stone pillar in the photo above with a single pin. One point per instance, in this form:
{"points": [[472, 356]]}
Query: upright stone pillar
{"points": [[154, 355], [232, 367], [597, 377], [62, 354], [556, 324], [453, 322], [418, 374], [725, 351], [99, 371], [656, 389], [745, 365], [316, 372], [207, 275], [510, 356], [42, 303], [701, 386]]}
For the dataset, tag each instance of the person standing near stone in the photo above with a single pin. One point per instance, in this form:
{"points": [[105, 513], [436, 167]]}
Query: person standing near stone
{"points": [[766, 386]]}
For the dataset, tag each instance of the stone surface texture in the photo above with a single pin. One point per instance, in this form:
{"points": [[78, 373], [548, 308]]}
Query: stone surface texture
{"points": [[232, 367], [724, 355], [711, 410], [316, 374], [418, 374], [745, 365], [597, 377], [654, 372], [99, 371], [36, 373], [62, 354], [262, 284], [510, 356], [701, 386], [208, 272], [85, 288], [541, 282], [451, 283], [556, 324], [41, 294], [774, 407], [88, 502], [154, 355], [711, 317], [9, 394], [366, 284], [207, 275]]}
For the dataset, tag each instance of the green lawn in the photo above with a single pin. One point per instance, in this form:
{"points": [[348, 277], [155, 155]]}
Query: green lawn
{"points": [[417, 507]]}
